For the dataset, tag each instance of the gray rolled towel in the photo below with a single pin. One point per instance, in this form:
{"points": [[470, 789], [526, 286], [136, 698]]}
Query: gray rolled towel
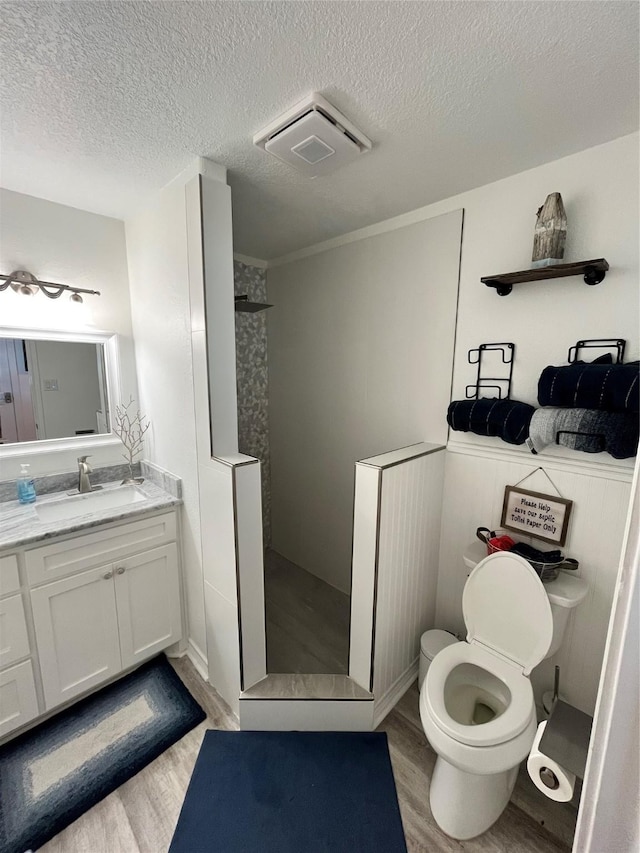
{"points": [[613, 432]]}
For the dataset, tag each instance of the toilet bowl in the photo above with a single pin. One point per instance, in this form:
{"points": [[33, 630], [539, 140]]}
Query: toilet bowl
{"points": [[476, 702]]}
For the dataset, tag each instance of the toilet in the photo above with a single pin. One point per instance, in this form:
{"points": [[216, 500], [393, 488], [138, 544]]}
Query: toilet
{"points": [[476, 702]]}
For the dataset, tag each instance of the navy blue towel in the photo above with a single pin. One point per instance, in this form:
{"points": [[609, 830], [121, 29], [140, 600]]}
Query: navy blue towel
{"points": [[505, 419], [608, 387]]}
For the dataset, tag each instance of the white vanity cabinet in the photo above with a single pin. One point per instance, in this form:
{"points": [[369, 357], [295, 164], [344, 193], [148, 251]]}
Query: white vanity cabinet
{"points": [[114, 602], [18, 700], [92, 625]]}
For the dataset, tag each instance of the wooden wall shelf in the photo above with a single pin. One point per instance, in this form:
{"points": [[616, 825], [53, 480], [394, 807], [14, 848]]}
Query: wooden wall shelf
{"points": [[593, 272]]}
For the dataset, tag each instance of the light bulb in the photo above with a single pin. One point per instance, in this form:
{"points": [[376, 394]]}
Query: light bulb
{"points": [[75, 297]]}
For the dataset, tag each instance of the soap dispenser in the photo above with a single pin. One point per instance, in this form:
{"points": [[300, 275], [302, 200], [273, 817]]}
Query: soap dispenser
{"points": [[26, 488]]}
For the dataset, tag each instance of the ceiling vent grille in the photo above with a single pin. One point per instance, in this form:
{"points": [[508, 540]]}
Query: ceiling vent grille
{"points": [[313, 137]]}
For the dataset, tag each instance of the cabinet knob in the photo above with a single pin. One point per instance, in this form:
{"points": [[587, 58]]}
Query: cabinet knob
{"points": [[107, 575], [120, 570]]}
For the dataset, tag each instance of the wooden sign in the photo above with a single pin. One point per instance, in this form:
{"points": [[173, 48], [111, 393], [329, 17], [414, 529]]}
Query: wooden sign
{"points": [[544, 516]]}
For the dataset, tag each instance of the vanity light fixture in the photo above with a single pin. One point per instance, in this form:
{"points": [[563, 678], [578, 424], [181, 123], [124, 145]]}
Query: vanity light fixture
{"points": [[24, 282]]}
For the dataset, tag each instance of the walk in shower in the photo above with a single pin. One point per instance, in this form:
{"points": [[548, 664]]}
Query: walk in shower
{"points": [[307, 619]]}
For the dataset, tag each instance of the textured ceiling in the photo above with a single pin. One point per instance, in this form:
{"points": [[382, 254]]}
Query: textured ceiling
{"points": [[105, 102]]}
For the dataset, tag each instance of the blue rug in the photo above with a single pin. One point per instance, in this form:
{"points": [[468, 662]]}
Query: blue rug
{"points": [[291, 792], [60, 769]]}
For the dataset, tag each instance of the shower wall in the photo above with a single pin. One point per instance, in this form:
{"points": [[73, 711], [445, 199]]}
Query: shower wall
{"points": [[360, 356], [253, 380]]}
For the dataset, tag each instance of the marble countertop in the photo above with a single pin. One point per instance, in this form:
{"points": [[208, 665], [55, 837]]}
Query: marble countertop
{"points": [[20, 524]]}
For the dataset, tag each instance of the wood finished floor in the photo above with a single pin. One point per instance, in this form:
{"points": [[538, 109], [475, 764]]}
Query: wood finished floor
{"points": [[307, 621], [140, 816]]}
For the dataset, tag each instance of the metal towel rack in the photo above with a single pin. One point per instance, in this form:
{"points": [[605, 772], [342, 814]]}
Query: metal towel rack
{"points": [[600, 343], [499, 384]]}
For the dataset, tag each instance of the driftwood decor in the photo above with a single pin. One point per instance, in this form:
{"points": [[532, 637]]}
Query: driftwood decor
{"points": [[130, 428], [550, 233]]}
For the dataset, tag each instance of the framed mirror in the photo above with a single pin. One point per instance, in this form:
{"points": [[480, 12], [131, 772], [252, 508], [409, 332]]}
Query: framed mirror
{"points": [[56, 387]]}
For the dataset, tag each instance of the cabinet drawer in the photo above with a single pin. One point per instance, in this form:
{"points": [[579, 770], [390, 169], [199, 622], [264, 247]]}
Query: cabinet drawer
{"points": [[18, 702], [14, 641], [9, 578], [59, 559]]}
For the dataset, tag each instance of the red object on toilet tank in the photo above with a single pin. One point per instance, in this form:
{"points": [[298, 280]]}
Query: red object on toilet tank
{"points": [[500, 543]]}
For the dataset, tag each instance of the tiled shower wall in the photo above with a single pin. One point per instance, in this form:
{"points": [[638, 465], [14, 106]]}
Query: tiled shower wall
{"points": [[253, 380]]}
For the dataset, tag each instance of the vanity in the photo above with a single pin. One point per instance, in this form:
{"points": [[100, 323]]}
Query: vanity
{"points": [[89, 588], [90, 584]]}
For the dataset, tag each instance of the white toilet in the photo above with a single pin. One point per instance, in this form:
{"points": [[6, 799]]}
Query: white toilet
{"points": [[476, 702]]}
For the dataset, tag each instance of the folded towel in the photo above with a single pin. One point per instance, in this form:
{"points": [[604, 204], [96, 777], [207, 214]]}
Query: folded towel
{"points": [[505, 419], [609, 387], [615, 432]]}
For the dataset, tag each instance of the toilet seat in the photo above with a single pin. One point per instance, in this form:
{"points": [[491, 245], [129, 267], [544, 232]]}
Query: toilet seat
{"points": [[511, 722], [506, 609]]}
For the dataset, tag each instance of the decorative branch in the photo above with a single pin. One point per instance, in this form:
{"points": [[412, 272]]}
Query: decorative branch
{"points": [[130, 428]]}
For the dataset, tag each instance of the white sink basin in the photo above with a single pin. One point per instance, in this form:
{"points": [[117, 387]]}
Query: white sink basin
{"points": [[93, 502]]}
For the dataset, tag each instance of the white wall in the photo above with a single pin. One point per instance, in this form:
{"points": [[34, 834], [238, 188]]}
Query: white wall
{"points": [[62, 244], [360, 343], [609, 817], [161, 311], [213, 351], [600, 191], [179, 251]]}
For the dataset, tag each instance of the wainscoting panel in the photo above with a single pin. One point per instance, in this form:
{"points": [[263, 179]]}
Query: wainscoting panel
{"points": [[396, 533], [473, 496], [407, 566]]}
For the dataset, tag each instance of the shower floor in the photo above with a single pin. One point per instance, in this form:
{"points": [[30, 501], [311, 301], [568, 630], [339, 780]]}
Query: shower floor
{"points": [[307, 620]]}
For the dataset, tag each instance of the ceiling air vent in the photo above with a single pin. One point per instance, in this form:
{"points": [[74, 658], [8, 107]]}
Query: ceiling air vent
{"points": [[313, 137]]}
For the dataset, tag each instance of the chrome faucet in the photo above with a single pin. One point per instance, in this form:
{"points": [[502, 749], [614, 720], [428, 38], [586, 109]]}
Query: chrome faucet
{"points": [[84, 469]]}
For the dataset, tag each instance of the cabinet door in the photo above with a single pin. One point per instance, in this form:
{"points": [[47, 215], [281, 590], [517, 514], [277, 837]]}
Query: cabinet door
{"points": [[18, 702], [148, 599], [77, 633], [14, 641]]}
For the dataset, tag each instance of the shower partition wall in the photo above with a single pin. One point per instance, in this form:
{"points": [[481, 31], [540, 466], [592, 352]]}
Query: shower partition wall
{"points": [[395, 565]]}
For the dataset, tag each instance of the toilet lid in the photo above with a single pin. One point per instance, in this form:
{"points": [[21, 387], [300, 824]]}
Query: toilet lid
{"points": [[506, 608]]}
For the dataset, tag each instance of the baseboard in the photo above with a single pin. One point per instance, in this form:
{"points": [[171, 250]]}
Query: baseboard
{"points": [[306, 715], [394, 694], [198, 660]]}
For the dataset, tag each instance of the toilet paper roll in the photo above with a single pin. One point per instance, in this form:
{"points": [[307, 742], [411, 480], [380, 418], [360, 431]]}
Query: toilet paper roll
{"points": [[547, 775]]}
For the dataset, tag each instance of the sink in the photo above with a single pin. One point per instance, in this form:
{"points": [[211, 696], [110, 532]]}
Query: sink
{"points": [[92, 502]]}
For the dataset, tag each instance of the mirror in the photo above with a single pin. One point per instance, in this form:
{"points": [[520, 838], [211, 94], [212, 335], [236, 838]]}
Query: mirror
{"points": [[52, 389]]}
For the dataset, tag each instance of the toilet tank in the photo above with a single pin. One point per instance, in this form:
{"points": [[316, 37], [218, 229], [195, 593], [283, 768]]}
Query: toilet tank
{"points": [[565, 593], [432, 642]]}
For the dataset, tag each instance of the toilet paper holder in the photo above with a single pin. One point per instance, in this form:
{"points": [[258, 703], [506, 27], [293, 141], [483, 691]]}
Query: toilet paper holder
{"points": [[566, 738]]}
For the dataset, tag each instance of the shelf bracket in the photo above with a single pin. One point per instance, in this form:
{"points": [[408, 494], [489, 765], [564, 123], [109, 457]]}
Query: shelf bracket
{"points": [[593, 275], [502, 289]]}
